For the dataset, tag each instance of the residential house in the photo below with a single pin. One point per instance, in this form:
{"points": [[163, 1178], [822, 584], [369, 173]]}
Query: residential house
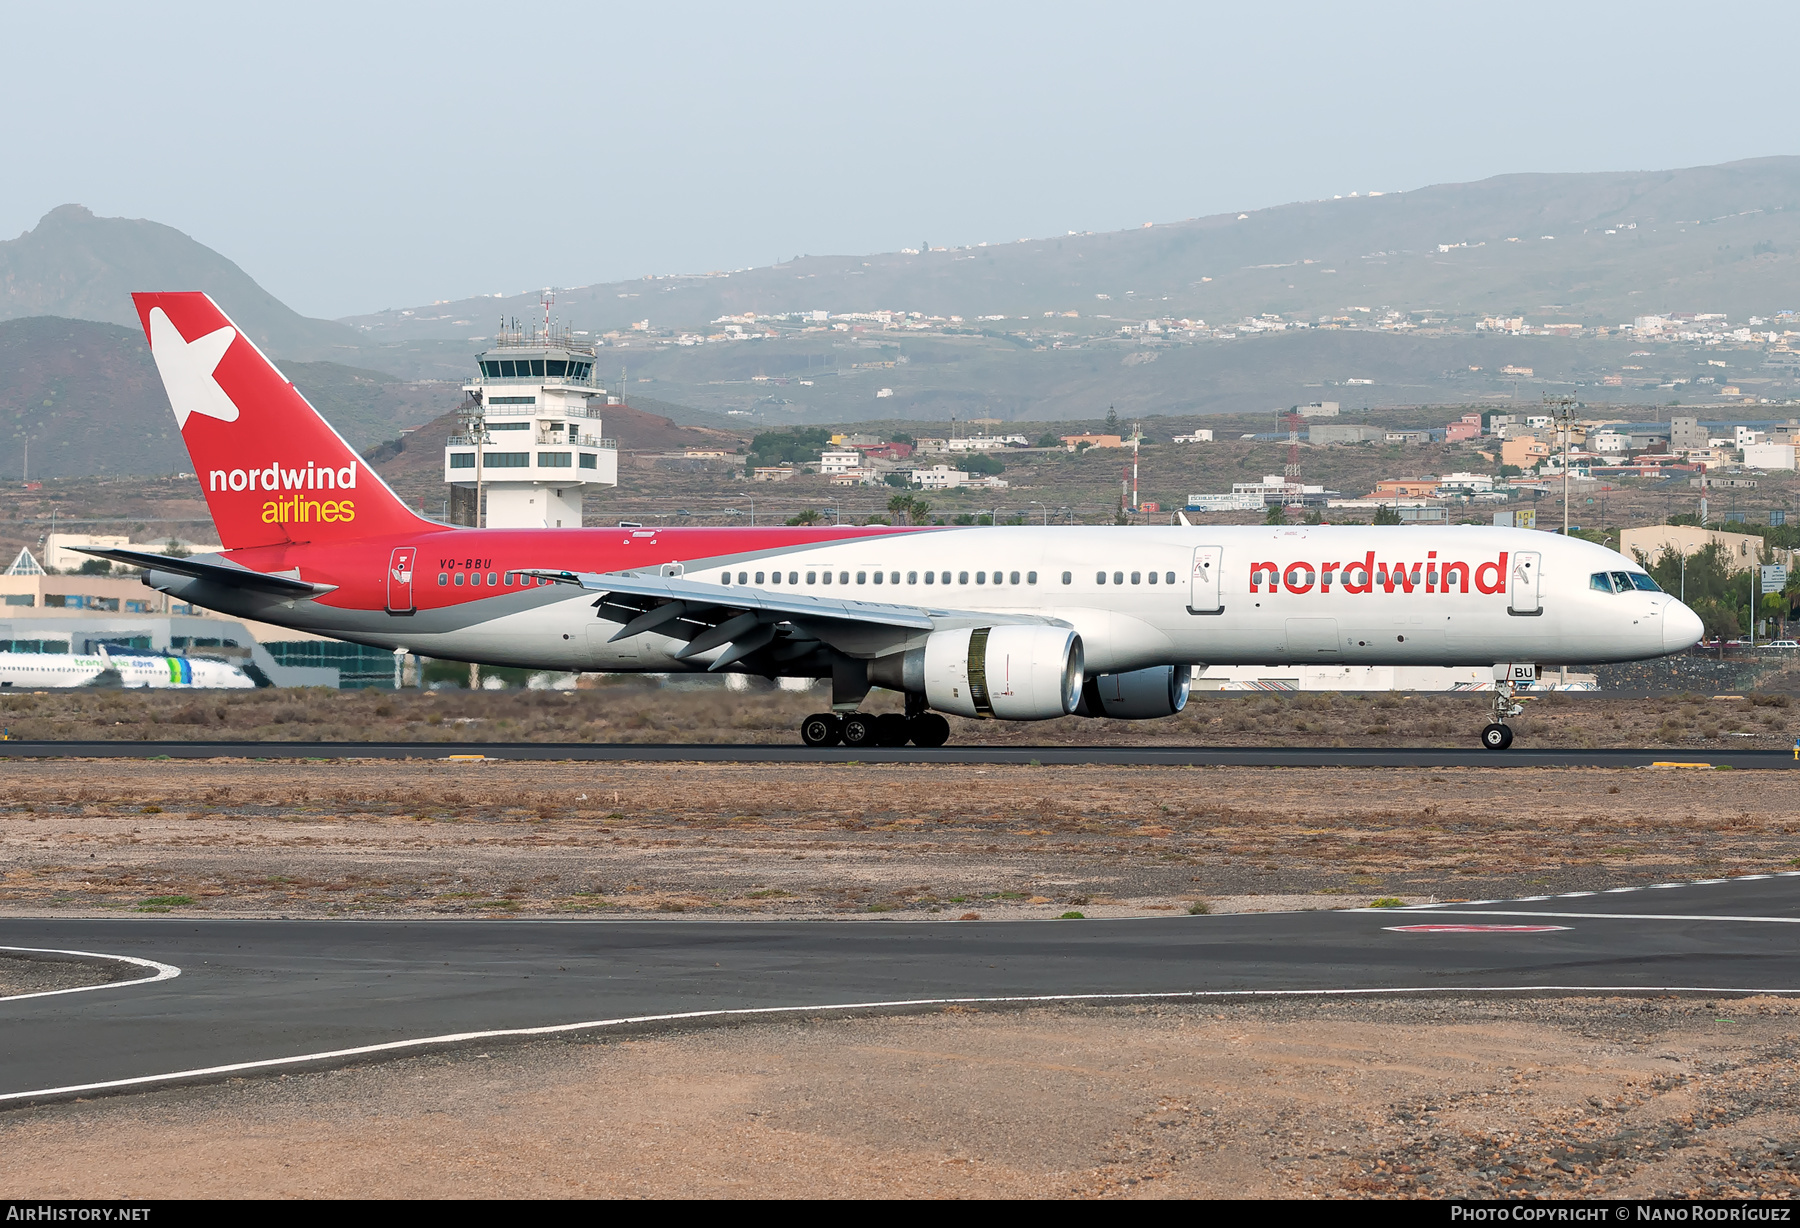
{"points": [[1408, 488], [845, 461], [1071, 442], [1524, 451], [1466, 427]]}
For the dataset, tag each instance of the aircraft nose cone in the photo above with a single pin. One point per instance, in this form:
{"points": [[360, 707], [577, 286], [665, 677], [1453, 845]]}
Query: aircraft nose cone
{"points": [[1682, 627]]}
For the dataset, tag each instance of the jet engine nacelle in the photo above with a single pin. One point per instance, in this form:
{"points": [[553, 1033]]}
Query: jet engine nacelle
{"points": [[1141, 695], [1010, 673]]}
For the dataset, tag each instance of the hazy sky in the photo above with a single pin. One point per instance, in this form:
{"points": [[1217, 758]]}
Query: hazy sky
{"points": [[355, 157]]}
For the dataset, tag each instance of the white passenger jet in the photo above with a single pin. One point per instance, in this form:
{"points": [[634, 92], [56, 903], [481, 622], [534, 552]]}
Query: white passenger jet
{"points": [[1014, 624]]}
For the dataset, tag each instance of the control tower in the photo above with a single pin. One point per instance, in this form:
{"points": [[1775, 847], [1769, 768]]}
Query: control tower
{"points": [[530, 444]]}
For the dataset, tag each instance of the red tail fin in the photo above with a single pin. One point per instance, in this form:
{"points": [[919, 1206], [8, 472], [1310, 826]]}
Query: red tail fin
{"points": [[272, 469]]}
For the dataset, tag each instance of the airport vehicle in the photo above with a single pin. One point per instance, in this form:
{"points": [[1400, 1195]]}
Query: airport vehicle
{"points": [[1006, 623], [124, 667]]}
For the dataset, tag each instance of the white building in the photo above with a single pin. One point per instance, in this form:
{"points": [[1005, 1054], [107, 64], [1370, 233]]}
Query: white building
{"points": [[1769, 455], [1609, 441], [1745, 436], [939, 477], [1474, 483], [1195, 437], [62, 551], [1225, 503], [537, 431], [985, 443], [1320, 409], [831, 463]]}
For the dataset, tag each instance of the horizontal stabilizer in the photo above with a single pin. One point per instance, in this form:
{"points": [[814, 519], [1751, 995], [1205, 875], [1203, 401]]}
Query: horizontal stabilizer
{"points": [[217, 570]]}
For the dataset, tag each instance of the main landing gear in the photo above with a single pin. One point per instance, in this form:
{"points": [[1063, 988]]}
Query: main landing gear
{"points": [[862, 729]]}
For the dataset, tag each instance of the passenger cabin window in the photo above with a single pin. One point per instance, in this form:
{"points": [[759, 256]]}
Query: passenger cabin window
{"points": [[946, 577], [930, 577], [759, 577], [894, 577], [443, 579], [1169, 577], [812, 577], [912, 577], [1068, 577], [1015, 578], [460, 581], [877, 577], [962, 577], [1153, 577], [743, 577], [793, 577], [862, 577], [774, 577], [725, 578], [1118, 577], [843, 577], [981, 577], [1137, 577], [1099, 577]]}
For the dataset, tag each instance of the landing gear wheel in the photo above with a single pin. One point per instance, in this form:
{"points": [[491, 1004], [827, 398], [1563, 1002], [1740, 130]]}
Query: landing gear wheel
{"points": [[1496, 737], [929, 730], [822, 729], [892, 729], [859, 730]]}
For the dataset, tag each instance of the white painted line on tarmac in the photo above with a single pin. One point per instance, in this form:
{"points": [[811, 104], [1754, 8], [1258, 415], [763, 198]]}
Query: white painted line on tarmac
{"points": [[163, 972], [1596, 916], [558, 1029]]}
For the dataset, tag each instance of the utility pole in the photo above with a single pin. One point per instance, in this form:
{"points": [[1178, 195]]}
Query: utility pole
{"points": [[1564, 409]]}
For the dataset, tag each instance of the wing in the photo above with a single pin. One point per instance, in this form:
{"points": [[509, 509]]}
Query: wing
{"points": [[216, 569], [747, 619]]}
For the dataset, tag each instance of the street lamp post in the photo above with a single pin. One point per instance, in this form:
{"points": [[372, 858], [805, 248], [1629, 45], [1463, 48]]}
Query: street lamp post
{"points": [[1565, 422], [1045, 506]]}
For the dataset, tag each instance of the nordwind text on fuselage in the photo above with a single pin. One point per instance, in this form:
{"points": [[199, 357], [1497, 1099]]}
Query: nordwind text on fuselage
{"points": [[1365, 575]]}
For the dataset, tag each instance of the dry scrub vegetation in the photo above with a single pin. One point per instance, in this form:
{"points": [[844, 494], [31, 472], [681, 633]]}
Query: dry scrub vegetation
{"points": [[1569, 1098], [226, 837], [640, 711]]}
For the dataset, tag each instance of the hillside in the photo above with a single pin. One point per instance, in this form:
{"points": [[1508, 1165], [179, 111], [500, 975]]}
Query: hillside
{"points": [[85, 267], [88, 398], [1717, 238]]}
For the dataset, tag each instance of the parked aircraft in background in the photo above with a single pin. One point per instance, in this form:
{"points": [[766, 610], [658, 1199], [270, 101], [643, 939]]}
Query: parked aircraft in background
{"points": [[1002, 623], [124, 667]]}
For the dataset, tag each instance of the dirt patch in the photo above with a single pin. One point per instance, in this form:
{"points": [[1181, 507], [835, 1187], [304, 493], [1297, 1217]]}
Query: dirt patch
{"points": [[26, 974], [626, 710], [1444, 1098], [548, 839]]}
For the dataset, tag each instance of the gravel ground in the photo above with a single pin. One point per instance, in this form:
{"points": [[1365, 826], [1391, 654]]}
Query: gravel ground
{"points": [[1446, 1097], [623, 709], [22, 974], [548, 839]]}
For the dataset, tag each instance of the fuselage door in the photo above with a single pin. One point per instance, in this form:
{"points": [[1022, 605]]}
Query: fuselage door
{"points": [[1203, 593], [1522, 588], [400, 580]]}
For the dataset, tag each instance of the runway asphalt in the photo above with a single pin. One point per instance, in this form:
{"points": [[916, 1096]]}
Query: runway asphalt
{"points": [[260, 996], [1120, 756]]}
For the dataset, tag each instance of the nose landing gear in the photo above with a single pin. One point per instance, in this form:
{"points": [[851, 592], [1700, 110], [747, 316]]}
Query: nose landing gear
{"points": [[1498, 735]]}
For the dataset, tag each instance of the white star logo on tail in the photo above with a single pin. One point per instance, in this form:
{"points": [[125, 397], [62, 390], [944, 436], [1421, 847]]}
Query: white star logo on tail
{"points": [[187, 369]]}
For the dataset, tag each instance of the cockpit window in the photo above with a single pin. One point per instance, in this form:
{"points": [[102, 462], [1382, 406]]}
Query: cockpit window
{"points": [[1621, 581], [1643, 583], [1601, 581]]}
